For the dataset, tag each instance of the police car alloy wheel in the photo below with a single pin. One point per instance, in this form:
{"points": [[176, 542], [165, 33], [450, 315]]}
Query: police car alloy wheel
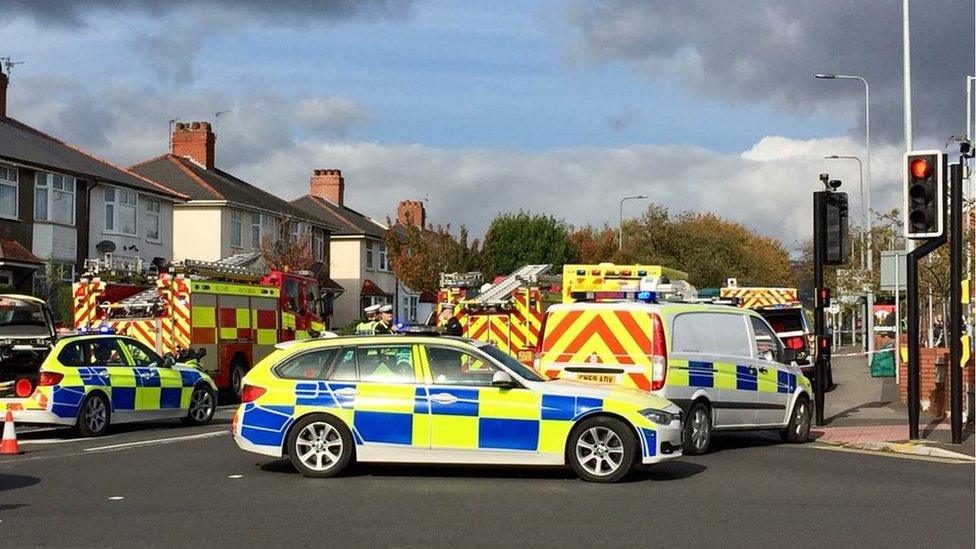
{"points": [[319, 446], [798, 429], [202, 406], [698, 430], [602, 449], [93, 417]]}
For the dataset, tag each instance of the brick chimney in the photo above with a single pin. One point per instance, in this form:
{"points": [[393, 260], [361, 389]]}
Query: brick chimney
{"points": [[196, 141], [329, 185], [3, 95], [412, 212]]}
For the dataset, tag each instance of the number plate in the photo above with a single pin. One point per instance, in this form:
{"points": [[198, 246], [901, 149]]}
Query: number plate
{"points": [[597, 378]]}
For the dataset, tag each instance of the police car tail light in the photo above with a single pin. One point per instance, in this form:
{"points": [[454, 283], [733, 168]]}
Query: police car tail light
{"points": [[659, 354], [23, 388], [47, 379], [250, 393]]}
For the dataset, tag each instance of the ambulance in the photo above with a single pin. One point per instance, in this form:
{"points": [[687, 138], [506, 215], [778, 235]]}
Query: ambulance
{"points": [[236, 314], [642, 326]]}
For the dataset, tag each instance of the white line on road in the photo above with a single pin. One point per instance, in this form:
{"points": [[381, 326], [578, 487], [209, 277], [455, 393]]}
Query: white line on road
{"points": [[159, 441]]}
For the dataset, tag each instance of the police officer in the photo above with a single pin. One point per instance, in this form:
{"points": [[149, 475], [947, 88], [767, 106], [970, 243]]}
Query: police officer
{"points": [[385, 323], [452, 326], [366, 326]]}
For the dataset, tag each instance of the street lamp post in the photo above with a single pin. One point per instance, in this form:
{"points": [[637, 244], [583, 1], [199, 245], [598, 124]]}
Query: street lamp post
{"points": [[867, 199], [620, 222]]}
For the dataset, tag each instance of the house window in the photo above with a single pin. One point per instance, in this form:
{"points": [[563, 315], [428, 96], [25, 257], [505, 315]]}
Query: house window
{"points": [[318, 245], [369, 256], [152, 219], [411, 306], [269, 227], [236, 228], [383, 265], [256, 230], [8, 192], [299, 229], [120, 211], [54, 198]]}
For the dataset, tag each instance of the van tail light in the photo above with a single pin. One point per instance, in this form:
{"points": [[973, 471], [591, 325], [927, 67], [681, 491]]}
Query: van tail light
{"points": [[796, 343], [659, 354], [23, 388], [47, 379], [250, 393]]}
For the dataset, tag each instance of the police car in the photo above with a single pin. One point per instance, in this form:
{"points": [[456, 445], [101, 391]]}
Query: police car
{"points": [[437, 399], [641, 326], [90, 380]]}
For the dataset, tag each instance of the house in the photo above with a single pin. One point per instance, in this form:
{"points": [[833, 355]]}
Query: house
{"points": [[60, 205], [358, 252], [416, 306], [224, 215]]}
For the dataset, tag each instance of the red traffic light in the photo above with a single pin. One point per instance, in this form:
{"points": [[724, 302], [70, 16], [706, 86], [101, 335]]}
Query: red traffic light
{"points": [[920, 168], [824, 294]]}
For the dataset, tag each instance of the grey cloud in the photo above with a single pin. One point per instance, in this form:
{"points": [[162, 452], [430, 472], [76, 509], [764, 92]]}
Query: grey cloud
{"points": [[767, 51], [623, 119]]}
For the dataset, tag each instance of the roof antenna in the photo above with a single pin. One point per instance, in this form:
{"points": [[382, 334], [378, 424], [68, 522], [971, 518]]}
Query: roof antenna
{"points": [[171, 122], [217, 116], [8, 64]]}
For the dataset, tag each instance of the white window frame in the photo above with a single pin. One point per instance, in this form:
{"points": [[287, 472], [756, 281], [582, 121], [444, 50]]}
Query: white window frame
{"points": [[237, 218], [119, 201], [383, 265], [369, 255], [48, 187], [153, 209], [412, 302], [318, 245], [269, 227], [14, 184], [255, 224]]}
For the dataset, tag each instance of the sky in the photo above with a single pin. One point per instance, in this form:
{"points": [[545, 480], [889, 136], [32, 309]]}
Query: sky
{"points": [[559, 107]]}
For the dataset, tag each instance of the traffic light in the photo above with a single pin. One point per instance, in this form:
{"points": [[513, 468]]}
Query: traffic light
{"points": [[831, 222], [823, 297], [924, 194]]}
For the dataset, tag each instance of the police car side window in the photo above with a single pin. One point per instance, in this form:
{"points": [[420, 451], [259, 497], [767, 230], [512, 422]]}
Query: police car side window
{"points": [[689, 334], [731, 335], [345, 368], [386, 364], [73, 354], [767, 343], [453, 367], [105, 351], [141, 356], [310, 365]]}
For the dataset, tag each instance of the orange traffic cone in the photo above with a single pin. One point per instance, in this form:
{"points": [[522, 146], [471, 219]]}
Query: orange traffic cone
{"points": [[8, 445]]}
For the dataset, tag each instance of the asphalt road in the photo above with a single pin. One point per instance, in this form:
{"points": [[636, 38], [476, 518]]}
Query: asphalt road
{"points": [[166, 485]]}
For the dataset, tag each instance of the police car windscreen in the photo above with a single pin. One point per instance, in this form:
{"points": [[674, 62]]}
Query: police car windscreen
{"points": [[790, 320], [22, 318]]}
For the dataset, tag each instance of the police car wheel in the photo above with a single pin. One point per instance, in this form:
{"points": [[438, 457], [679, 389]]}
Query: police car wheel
{"points": [[697, 430], [203, 405], [319, 446], [798, 429], [602, 449], [93, 416]]}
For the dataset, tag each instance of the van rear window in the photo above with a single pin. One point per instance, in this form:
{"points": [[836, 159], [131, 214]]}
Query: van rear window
{"points": [[784, 321]]}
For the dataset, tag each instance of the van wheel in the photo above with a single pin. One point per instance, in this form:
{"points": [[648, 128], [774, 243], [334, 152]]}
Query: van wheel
{"points": [[93, 416], [602, 449], [319, 446], [798, 429], [697, 430]]}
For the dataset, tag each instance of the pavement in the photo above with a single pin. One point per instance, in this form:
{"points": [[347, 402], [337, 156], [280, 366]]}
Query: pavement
{"points": [[864, 412], [162, 484]]}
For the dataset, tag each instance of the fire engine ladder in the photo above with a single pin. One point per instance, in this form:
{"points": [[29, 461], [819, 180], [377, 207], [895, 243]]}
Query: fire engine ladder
{"points": [[218, 270], [498, 294], [461, 280], [138, 305]]}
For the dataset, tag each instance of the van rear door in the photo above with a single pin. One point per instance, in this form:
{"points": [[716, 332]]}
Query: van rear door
{"points": [[598, 345]]}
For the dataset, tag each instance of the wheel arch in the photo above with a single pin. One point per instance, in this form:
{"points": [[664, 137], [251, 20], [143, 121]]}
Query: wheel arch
{"points": [[296, 419], [603, 413]]}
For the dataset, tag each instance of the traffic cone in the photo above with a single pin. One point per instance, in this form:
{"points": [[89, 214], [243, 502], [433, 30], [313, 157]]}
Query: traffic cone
{"points": [[9, 443]]}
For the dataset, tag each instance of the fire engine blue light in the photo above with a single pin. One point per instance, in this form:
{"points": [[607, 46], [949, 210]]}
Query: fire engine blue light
{"points": [[645, 296], [642, 273]]}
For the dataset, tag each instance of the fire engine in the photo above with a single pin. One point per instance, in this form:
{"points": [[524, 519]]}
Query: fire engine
{"points": [[507, 314], [236, 313], [784, 312]]}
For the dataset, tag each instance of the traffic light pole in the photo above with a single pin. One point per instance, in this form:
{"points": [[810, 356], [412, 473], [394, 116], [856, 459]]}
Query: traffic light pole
{"points": [[955, 299], [923, 249], [819, 367]]}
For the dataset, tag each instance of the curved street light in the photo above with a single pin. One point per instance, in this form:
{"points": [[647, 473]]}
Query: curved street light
{"points": [[620, 222]]}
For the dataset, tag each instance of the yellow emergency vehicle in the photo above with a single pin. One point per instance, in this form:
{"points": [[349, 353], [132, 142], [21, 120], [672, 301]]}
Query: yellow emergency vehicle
{"points": [[642, 326]]}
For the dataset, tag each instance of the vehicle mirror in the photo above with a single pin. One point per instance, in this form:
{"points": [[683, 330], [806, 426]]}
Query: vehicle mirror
{"points": [[502, 379], [201, 352], [169, 361], [787, 356]]}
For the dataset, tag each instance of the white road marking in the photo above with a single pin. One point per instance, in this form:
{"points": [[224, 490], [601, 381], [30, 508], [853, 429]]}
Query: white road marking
{"points": [[116, 498], [235, 476], [158, 441]]}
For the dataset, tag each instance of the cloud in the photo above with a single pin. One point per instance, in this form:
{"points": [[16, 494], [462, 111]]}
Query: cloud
{"points": [[623, 119], [767, 51]]}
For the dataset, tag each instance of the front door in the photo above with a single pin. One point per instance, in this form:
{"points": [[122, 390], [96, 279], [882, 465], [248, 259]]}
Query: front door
{"points": [[109, 366], [468, 414], [160, 387], [773, 383], [389, 417]]}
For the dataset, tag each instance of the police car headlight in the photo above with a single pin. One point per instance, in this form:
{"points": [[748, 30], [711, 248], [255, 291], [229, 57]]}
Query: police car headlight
{"points": [[658, 416]]}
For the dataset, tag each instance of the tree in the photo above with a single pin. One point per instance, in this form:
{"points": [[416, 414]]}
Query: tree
{"points": [[418, 256], [514, 240], [594, 245], [290, 248]]}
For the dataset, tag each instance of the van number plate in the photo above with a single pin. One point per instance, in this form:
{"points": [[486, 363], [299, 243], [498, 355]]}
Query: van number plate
{"points": [[597, 378]]}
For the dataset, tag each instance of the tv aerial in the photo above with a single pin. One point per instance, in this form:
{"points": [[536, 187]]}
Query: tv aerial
{"points": [[9, 64]]}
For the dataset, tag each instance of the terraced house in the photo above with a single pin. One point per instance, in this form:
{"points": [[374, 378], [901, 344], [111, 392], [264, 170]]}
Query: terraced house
{"points": [[224, 215], [60, 205]]}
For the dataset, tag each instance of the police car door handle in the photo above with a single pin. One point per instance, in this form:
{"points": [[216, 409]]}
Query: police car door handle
{"points": [[763, 370], [346, 391], [443, 398]]}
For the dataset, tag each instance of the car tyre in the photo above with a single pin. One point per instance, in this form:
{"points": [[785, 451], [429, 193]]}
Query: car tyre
{"points": [[94, 416], [602, 449], [697, 434], [320, 446], [202, 407], [797, 431], [238, 368]]}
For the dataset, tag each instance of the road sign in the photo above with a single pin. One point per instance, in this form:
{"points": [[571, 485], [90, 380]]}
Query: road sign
{"points": [[888, 276]]}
